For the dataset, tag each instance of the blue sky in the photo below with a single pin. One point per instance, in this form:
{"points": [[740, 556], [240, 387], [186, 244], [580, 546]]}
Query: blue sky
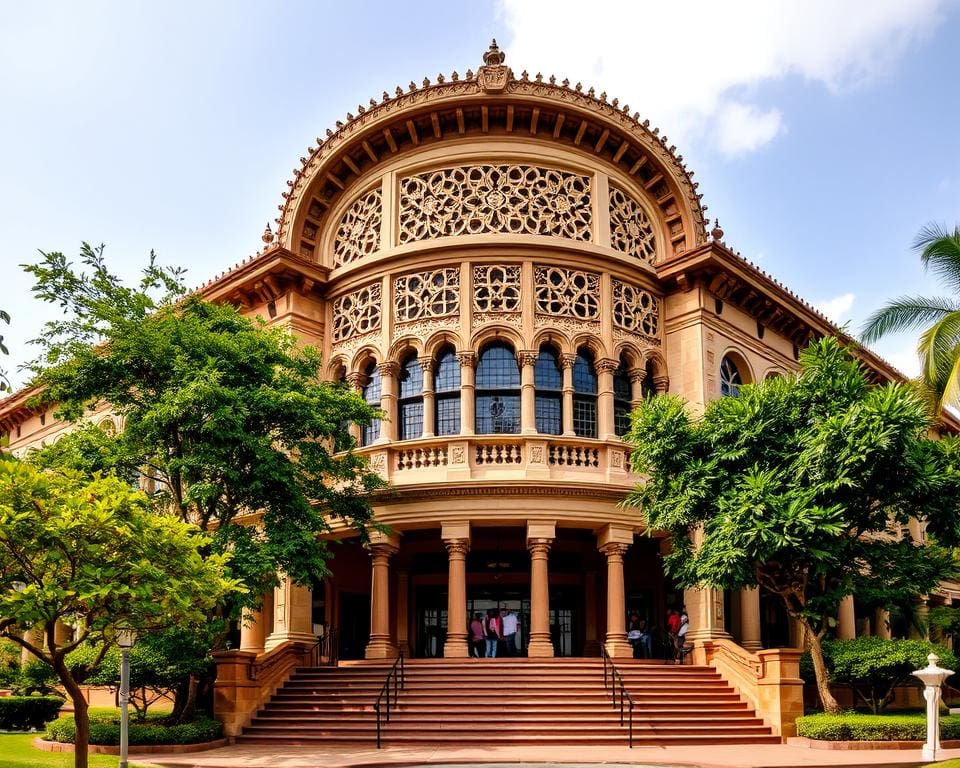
{"points": [[822, 137]]}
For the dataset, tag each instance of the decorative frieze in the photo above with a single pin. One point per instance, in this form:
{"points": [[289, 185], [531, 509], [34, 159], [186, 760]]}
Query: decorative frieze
{"points": [[357, 313], [567, 293], [635, 310], [358, 234], [427, 294], [630, 229], [506, 199]]}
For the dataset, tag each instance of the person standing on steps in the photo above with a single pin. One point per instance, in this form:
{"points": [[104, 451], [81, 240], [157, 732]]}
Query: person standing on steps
{"points": [[509, 620], [493, 629], [477, 639]]}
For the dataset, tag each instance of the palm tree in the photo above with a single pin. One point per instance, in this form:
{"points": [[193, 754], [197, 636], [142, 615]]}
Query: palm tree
{"points": [[937, 317]]}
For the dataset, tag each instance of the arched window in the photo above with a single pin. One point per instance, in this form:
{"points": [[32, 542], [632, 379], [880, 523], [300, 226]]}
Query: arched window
{"points": [[410, 402], [371, 393], [622, 394], [730, 378], [498, 391], [648, 388], [548, 380], [446, 385], [584, 396]]}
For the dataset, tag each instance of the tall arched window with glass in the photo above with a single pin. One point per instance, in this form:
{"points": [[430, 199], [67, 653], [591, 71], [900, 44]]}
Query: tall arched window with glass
{"points": [[622, 394], [548, 380], [498, 391], [446, 386], [730, 378], [584, 396], [372, 390], [410, 402]]}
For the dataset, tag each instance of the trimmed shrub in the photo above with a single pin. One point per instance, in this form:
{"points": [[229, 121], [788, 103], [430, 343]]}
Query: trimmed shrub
{"points": [[107, 732], [21, 713], [852, 726], [35, 677]]}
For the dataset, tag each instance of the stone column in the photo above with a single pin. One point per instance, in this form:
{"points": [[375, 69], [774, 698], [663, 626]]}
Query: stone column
{"points": [[468, 391], [637, 376], [292, 620], [919, 630], [540, 536], [750, 619], [614, 541], [527, 360], [34, 636], [403, 610], [62, 633], [252, 631], [881, 623], [356, 380], [847, 619], [591, 645], [567, 362], [388, 401], [381, 547], [661, 384], [429, 411], [605, 370], [456, 538], [705, 609]]}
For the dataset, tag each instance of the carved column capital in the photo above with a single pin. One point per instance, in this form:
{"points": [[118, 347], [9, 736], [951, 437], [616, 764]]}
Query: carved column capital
{"points": [[357, 380], [539, 546], [567, 360], [382, 550], [637, 375], [607, 365], [389, 368], [428, 366], [527, 357], [615, 550], [457, 547], [467, 358], [661, 383]]}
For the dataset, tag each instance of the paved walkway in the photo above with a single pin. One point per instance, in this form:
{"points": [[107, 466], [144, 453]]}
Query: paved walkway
{"points": [[712, 756]]}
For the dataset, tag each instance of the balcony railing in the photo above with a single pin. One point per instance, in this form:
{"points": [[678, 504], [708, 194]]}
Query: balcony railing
{"points": [[459, 458]]}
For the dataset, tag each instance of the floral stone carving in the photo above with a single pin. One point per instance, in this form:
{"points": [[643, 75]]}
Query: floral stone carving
{"points": [[357, 312], [359, 232], [427, 294], [567, 292], [635, 309], [630, 227]]}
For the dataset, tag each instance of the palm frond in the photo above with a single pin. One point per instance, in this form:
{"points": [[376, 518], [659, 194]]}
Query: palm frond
{"points": [[940, 253], [938, 348], [905, 313]]}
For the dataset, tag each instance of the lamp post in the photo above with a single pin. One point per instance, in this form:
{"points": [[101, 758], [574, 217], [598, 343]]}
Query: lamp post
{"points": [[125, 641], [932, 677]]}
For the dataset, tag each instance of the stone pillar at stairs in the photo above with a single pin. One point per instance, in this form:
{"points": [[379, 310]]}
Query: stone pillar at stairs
{"points": [[750, 619], [614, 541], [382, 547], [540, 536], [292, 608], [456, 538]]}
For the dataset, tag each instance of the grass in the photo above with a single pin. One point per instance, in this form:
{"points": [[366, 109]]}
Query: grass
{"points": [[18, 752]]}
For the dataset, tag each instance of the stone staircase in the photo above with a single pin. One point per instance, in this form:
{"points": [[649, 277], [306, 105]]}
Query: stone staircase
{"points": [[488, 702]]}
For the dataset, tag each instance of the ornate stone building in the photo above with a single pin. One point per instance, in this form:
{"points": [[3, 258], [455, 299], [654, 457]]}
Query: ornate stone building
{"points": [[506, 264]]}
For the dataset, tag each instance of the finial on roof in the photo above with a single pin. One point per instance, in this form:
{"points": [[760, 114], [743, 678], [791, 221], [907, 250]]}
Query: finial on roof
{"points": [[493, 56], [716, 233], [267, 235]]}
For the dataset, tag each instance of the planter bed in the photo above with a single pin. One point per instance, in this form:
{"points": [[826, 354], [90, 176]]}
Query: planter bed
{"points": [[147, 749], [803, 741]]}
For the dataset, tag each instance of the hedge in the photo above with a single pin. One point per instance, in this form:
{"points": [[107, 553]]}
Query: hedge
{"points": [[852, 726], [141, 734], [21, 713]]}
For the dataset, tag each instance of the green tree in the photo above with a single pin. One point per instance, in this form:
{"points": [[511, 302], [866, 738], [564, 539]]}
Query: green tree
{"points": [[938, 317], [93, 553], [800, 484], [223, 416], [4, 381]]}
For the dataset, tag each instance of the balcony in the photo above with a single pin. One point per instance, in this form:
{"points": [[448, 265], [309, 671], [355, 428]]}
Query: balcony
{"points": [[513, 458]]}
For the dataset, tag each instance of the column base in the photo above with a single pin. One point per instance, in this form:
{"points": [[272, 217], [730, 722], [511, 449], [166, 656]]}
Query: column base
{"points": [[752, 645], [618, 648], [540, 648], [276, 639], [379, 648], [456, 648]]}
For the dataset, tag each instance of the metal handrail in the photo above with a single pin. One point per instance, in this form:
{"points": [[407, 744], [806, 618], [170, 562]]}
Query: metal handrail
{"points": [[396, 675], [325, 646], [617, 684]]}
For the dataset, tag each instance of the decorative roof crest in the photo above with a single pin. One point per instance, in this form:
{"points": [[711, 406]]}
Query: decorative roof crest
{"points": [[494, 74]]}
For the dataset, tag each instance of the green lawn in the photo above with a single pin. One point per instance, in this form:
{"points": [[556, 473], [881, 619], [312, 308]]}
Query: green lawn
{"points": [[18, 752]]}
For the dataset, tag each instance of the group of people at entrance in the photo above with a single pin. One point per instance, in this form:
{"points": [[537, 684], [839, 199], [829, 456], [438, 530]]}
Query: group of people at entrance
{"points": [[488, 633], [641, 635]]}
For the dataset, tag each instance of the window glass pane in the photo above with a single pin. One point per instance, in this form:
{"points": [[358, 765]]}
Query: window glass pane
{"points": [[498, 414], [372, 389], [411, 378], [549, 410], [730, 380], [621, 384], [585, 416], [584, 379], [447, 376], [621, 418], [411, 419], [448, 414], [546, 374], [371, 432], [498, 369]]}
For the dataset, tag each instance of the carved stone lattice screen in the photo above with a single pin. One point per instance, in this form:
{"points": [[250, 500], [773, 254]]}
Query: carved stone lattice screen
{"points": [[496, 288], [479, 199], [630, 227], [427, 294], [359, 232], [567, 292], [357, 312], [635, 310]]}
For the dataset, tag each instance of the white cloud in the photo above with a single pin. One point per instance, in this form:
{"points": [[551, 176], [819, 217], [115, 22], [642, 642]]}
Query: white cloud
{"points": [[904, 359], [838, 308], [691, 66]]}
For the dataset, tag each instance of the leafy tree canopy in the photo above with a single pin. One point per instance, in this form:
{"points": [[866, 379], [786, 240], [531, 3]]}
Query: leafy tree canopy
{"points": [[223, 415], [802, 485]]}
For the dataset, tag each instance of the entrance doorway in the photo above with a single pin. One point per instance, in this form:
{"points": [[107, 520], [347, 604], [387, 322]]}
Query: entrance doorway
{"points": [[354, 624]]}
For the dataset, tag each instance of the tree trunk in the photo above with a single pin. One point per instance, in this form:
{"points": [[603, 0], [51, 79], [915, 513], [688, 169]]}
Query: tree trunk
{"points": [[81, 719], [820, 669]]}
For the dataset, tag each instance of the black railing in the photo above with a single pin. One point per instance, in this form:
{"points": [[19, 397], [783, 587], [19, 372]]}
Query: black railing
{"points": [[395, 682], [613, 680], [326, 651]]}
